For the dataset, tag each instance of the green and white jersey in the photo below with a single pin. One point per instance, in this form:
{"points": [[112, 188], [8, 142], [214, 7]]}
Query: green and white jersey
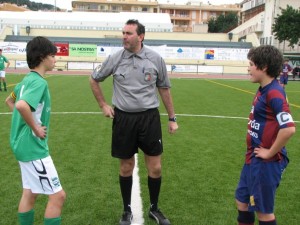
{"points": [[3, 59], [25, 144]]}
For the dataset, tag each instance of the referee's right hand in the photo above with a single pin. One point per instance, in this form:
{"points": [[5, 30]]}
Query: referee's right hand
{"points": [[108, 111]]}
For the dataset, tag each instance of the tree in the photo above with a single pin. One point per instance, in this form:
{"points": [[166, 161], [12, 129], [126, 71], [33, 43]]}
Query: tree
{"points": [[286, 26], [223, 23], [212, 26]]}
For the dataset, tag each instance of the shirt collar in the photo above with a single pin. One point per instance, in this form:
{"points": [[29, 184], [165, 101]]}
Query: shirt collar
{"points": [[141, 54]]}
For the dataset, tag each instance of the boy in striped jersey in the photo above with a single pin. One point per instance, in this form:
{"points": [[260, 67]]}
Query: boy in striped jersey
{"points": [[270, 126]]}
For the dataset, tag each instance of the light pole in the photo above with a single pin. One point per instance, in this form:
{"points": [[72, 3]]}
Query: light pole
{"points": [[54, 5]]}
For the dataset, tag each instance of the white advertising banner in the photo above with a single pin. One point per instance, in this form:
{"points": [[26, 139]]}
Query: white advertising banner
{"points": [[13, 48], [104, 51], [186, 52], [166, 52], [80, 65], [21, 65], [194, 69], [231, 54]]}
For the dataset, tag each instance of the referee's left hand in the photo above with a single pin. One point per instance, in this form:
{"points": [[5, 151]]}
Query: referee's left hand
{"points": [[173, 126]]}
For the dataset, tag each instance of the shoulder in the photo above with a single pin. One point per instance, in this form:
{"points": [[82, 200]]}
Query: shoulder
{"points": [[151, 53], [153, 56], [276, 91], [35, 78]]}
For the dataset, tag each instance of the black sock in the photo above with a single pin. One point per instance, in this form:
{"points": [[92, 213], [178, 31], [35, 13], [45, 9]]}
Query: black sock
{"points": [[246, 217], [154, 189], [273, 222], [126, 186]]}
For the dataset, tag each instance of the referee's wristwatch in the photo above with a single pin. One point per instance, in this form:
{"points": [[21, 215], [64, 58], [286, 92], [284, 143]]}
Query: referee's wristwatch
{"points": [[173, 119]]}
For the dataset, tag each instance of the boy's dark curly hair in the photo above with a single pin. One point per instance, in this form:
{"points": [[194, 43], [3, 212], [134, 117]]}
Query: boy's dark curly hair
{"points": [[267, 57]]}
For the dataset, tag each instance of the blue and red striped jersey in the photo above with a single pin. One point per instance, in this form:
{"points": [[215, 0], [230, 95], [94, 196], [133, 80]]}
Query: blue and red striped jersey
{"points": [[286, 68], [269, 113]]}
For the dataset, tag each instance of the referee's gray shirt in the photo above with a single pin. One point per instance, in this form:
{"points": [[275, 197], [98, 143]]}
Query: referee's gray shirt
{"points": [[135, 78]]}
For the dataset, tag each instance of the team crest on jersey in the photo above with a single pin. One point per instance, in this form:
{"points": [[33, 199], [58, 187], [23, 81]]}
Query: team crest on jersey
{"points": [[147, 76]]}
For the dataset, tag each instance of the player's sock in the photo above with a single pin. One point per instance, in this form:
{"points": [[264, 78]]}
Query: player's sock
{"points": [[52, 221], [126, 186], [0, 85], [273, 222], [4, 84], [26, 218], [246, 218], [154, 189]]}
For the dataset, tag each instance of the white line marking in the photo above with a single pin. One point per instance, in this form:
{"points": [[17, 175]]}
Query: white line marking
{"points": [[163, 114], [136, 199]]}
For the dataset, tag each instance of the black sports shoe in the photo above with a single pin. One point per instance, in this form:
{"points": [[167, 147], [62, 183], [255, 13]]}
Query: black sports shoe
{"points": [[126, 218], [159, 217]]}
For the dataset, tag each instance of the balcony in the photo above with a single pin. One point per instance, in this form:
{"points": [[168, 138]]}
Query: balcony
{"points": [[259, 28], [180, 17], [182, 28]]}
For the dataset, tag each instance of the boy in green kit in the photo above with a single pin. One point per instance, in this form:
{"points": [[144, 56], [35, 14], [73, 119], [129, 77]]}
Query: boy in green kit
{"points": [[31, 105], [3, 60]]}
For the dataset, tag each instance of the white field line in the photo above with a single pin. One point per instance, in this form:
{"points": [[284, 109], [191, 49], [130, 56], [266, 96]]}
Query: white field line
{"points": [[136, 199], [163, 114]]}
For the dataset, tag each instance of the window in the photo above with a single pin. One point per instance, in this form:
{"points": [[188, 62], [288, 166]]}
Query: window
{"points": [[115, 8], [183, 13], [193, 15], [93, 6]]}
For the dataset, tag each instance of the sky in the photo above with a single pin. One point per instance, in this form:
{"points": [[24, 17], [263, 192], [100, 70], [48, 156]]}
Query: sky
{"points": [[66, 4]]}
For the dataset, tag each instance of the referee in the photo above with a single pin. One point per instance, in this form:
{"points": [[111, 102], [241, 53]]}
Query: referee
{"points": [[138, 72]]}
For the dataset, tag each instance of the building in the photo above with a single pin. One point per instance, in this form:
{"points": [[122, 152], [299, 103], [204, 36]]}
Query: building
{"points": [[91, 36], [81, 21], [193, 17], [189, 17], [258, 16], [251, 8]]}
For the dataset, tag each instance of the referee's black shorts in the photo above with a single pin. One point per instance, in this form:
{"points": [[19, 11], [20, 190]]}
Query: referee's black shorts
{"points": [[131, 131]]}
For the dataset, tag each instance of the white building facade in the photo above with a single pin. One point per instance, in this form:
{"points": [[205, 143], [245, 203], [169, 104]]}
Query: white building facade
{"points": [[261, 24]]}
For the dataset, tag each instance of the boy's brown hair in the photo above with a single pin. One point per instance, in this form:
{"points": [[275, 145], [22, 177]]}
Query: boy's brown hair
{"points": [[267, 57]]}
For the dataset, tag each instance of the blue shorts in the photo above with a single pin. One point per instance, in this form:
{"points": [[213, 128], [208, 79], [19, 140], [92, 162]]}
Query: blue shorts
{"points": [[258, 183], [283, 79]]}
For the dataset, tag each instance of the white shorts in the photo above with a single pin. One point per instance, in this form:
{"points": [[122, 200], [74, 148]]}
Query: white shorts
{"points": [[40, 176], [2, 73]]}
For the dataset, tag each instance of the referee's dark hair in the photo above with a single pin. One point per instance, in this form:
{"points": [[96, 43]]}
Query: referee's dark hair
{"points": [[140, 27], [267, 57]]}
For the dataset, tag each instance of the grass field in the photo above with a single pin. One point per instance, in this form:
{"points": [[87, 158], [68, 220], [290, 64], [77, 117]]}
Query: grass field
{"points": [[201, 162]]}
